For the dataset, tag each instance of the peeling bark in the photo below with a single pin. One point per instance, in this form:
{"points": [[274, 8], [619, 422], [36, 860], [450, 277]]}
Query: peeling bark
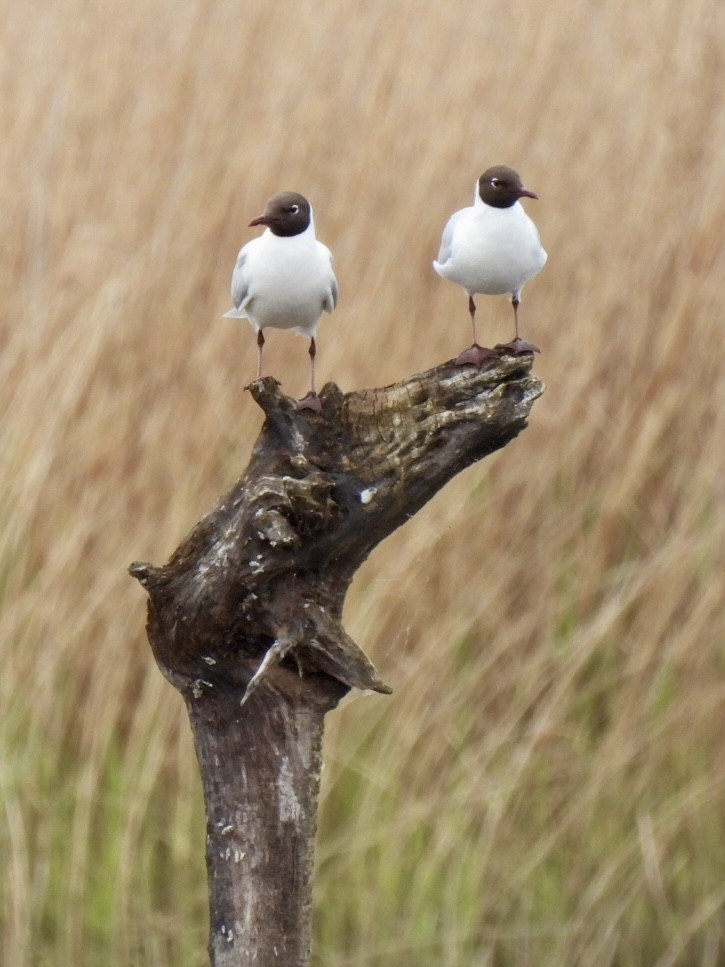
{"points": [[245, 619]]}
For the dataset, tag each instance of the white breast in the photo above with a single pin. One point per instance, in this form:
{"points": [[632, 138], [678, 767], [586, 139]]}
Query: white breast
{"points": [[285, 283], [490, 250]]}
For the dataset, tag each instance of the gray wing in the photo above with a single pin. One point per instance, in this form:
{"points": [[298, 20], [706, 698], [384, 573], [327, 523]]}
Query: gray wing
{"points": [[334, 293], [446, 249], [240, 281]]}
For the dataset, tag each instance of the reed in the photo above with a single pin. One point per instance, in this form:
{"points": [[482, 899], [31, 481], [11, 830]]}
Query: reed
{"points": [[545, 786]]}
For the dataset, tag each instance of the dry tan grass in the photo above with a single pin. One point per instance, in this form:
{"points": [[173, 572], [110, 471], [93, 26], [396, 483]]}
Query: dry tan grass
{"points": [[553, 622]]}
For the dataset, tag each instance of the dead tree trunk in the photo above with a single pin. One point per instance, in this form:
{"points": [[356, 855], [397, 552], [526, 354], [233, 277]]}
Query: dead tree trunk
{"points": [[245, 619]]}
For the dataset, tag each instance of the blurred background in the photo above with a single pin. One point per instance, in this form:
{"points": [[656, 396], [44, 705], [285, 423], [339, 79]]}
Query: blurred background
{"points": [[546, 784]]}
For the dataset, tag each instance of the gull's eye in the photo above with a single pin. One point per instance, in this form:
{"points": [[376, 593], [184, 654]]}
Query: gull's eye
{"points": [[293, 209], [496, 182]]}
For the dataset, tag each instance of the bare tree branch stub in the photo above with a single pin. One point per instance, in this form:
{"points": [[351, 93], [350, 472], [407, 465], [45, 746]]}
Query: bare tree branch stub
{"points": [[245, 619]]}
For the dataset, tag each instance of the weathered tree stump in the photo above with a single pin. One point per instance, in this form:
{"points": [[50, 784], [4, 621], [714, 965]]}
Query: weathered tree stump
{"points": [[245, 619]]}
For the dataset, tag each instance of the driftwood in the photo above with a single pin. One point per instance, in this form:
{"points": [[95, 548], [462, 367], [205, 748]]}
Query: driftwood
{"points": [[245, 619]]}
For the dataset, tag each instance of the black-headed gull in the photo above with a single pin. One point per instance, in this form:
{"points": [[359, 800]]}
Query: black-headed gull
{"points": [[284, 278], [492, 248]]}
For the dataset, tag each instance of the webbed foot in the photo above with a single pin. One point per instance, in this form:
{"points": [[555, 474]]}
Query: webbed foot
{"points": [[475, 355]]}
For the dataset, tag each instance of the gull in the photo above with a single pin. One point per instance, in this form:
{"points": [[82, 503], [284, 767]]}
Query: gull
{"points": [[283, 279], [492, 248]]}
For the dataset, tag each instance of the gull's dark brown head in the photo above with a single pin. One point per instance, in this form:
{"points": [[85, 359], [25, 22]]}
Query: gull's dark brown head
{"points": [[286, 214], [501, 187]]}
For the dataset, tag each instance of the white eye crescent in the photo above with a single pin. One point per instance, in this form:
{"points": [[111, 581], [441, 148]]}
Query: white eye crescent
{"points": [[294, 209], [495, 182]]}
